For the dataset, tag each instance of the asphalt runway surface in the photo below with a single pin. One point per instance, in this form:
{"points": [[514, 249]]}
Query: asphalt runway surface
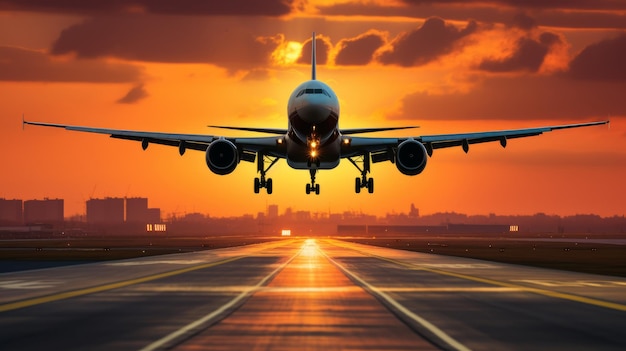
{"points": [[309, 294]]}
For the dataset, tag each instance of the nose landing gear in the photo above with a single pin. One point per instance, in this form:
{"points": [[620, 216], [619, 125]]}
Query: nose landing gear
{"points": [[315, 188]]}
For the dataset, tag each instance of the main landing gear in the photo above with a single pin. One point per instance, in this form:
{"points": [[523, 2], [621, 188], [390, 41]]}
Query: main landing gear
{"points": [[364, 181], [262, 182]]}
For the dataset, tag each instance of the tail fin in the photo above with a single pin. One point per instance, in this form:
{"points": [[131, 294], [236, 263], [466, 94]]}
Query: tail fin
{"points": [[313, 61]]}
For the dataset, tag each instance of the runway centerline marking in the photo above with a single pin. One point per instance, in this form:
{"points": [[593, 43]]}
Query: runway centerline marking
{"points": [[560, 295]]}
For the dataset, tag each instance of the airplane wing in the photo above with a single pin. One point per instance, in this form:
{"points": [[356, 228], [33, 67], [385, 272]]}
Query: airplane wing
{"points": [[358, 145], [248, 146]]}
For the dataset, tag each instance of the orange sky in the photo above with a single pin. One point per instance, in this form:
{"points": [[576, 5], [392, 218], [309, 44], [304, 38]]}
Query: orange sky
{"points": [[446, 66]]}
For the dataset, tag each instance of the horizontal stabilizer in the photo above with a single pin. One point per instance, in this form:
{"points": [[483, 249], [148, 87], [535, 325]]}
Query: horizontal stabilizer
{"points": [[258, 130], [372, 130]]}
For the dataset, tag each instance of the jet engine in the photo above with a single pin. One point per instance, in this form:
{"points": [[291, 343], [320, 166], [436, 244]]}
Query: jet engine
{"points": [[411, 157], [222, 157]]}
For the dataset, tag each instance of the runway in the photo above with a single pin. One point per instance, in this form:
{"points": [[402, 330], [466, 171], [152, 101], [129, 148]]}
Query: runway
{"points": [[309, 294]]}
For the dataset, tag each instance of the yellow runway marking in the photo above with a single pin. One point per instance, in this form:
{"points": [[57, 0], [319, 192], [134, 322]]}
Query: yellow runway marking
{"points": [[85, 291], [559, 295], [68, 294], [407, 313]]}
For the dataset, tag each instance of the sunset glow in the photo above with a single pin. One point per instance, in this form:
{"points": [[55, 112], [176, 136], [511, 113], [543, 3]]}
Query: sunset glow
{"points": [[448, 67]]}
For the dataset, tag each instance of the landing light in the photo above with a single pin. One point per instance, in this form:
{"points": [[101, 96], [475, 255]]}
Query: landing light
{"points": [[314, 144], [313, 153], [279, 141], [346, 141]]}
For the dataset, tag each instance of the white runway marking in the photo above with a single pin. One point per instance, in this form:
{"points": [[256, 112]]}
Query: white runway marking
{"points": [[329, 289], [199, 323], [576, 283], [459, 265], [443, 336], [145, 263], [28, 284]]}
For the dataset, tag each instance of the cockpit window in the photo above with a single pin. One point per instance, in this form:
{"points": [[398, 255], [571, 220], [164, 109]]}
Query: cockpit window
{"points": [[313, 91]]}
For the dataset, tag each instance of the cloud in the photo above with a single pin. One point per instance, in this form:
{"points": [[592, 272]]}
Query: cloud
{"points": [[519, 98], [171, 39], [587, 14], [135, 94], [524, 21], [359, 50], [432, 40], [529, 54], [603, 61], [17, 64], [322, 48], [180, 7], [532, 4], [257, 74]]}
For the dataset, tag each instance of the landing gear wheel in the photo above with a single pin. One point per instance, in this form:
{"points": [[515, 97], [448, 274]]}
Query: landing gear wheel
{"points": [[257, 185], [317, 189], [308, 189], [357, 185], [370, 185], [269, 185]]}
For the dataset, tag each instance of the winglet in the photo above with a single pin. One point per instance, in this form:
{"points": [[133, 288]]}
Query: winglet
{"points": [[313, 60]]}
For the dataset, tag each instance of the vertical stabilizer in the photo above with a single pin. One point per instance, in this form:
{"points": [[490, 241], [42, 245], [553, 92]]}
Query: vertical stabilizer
{"points": [[313, 63]]}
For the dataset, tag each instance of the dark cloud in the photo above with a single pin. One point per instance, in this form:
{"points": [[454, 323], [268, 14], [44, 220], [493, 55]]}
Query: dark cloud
{"points": [[485, 12], [528, 55], [604, 61], [169, 7], [172, 39], [520, 98], [533, 4], [432, 40], [322, 47], [359, 50], [524, 21], [135, 94], [18, 64]]}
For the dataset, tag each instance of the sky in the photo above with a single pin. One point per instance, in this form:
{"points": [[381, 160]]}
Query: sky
{"points": [[448, 66]]}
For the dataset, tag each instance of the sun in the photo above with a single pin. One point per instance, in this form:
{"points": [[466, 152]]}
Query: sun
{"points": [[287, 53]]}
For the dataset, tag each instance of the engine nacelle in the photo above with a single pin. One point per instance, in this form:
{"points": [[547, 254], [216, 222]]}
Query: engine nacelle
{"points": [[411, 157], [222, 157]]}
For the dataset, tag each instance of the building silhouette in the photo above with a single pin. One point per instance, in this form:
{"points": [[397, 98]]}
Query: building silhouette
{"points": [[109, 210], [11, 212], [272, 211], [46, 211], [137, 211]]}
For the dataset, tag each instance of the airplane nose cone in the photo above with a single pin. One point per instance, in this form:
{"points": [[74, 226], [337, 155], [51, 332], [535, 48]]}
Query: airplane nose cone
{"points": [[314, 114]]}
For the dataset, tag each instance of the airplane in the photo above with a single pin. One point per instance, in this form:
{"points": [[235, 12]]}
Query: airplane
{"points": [[313, 140]]}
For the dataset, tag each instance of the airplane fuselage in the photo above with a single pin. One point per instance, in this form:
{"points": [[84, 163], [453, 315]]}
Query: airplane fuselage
{"points": [[313, 140]]}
